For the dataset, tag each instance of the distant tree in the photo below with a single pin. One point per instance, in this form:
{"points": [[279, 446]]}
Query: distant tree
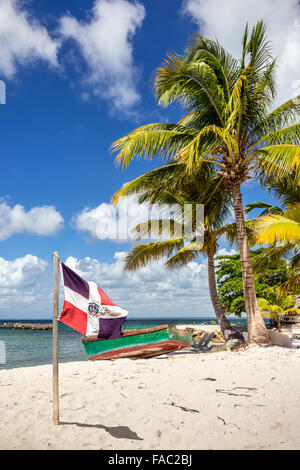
{"points": [[230, 283]]}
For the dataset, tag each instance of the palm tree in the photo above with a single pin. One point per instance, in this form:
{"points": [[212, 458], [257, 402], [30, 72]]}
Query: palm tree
{"points": [[227, 123], [171, 186]]}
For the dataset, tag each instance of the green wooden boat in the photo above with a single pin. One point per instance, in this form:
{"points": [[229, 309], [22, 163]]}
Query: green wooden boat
{"points": [[144, 343]]}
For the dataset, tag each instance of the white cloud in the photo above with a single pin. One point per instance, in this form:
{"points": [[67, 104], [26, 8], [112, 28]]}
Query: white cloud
{"points": [[21, 272], [19, 280], [26, 287], [150, 291], [22, 39], [44, 220], [105, 42], [226, 22]]}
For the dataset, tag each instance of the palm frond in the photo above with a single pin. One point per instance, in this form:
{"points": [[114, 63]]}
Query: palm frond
{"points": [[225, 67], [285, 188], [259, 48], [272, 256], [267, 81], [235, 103], [291, 285], [280, 159], [279, 231], [205, 142], [194, 84], [285, 115], [161, 140], [280, 228], [295, 260], [287, 135], [267, 208], [149, 181], [244, 46], [140, 255], [185, 255], [162, 228]]}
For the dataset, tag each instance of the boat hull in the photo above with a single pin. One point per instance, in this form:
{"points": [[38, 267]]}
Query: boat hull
{"points": [[291, 319], [146, 343]]}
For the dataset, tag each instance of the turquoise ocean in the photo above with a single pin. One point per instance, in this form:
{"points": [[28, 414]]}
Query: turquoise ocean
{"points": [[24, 348]]}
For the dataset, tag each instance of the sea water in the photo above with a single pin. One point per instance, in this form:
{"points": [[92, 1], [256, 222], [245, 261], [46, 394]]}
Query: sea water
{"points": [[34, 347]]}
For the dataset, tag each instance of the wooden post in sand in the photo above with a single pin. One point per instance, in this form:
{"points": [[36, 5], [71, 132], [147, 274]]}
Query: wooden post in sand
{"points": [[55, 338]]}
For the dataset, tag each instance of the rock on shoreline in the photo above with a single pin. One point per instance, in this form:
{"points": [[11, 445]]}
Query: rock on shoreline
{"points": [[27, 326]]}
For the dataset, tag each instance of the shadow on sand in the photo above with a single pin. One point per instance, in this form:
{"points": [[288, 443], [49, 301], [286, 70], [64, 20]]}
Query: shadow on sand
{"points": [[119, 432]]}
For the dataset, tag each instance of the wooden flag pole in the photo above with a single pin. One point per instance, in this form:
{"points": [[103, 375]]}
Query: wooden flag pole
{"points": [[55, 338]]}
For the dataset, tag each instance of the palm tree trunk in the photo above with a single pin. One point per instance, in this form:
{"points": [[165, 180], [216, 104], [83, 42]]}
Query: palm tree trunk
{"points": [[257, 330], [279, 323], [221, 317]]}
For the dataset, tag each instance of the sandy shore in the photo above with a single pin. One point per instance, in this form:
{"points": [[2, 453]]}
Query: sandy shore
{"points": [[127, 404]]}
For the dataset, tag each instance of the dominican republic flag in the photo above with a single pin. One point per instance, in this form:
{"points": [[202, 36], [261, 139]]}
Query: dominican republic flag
{"points": [[88, 309]]}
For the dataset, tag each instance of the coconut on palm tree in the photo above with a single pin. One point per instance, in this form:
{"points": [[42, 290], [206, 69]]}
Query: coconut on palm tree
{"points": [[171, 186], [228, 123]]}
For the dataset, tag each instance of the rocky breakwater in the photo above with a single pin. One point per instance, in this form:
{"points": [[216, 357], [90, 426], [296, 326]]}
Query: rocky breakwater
{"points": [[27, 326]]}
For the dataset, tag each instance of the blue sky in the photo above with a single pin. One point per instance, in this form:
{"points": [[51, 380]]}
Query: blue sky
{"points": [[78, 76]]}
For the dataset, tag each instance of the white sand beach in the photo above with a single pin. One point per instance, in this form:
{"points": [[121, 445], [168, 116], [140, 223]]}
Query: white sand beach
{"points": [[127, 404]]}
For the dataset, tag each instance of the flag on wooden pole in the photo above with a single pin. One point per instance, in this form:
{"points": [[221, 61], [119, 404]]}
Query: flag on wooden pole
{"points": [[88, 309], [55, 338]]}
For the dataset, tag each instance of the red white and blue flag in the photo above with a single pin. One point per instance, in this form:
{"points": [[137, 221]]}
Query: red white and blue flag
{"points": [[88, 309]]}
